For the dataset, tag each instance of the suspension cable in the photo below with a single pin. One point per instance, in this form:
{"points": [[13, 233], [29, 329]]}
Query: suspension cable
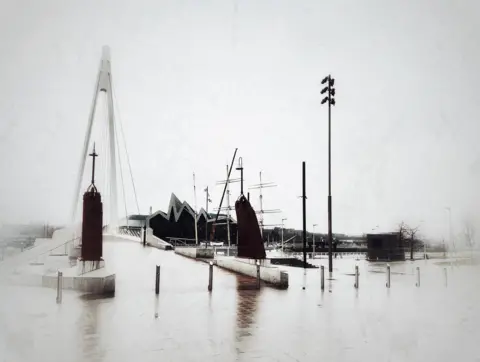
{"points": [[121, 176], [125, 145], [107, 164]]}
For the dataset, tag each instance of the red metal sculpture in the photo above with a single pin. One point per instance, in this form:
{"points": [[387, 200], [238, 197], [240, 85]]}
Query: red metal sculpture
{"points": [[250, 243], [92, 237]]}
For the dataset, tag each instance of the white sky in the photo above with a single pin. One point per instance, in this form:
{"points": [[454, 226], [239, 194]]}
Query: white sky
{"points": [[195, 79]]}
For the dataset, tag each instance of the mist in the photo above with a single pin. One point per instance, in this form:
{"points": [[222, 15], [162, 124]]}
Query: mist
{"points": [[194, 81]]}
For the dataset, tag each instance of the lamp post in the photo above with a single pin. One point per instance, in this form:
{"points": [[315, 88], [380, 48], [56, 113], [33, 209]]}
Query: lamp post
{"points": [[313, 241], [195, 211], [331, 102], [282, 232], [304, 204], [240, 168], [207, 200]]}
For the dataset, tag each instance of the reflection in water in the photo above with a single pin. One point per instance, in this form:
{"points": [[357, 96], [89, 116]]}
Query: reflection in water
{"points": [[89, 331], [247, 294]]}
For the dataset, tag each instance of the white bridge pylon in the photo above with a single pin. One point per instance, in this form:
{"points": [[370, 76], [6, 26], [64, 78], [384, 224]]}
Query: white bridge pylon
{"points": [[103, 84]]}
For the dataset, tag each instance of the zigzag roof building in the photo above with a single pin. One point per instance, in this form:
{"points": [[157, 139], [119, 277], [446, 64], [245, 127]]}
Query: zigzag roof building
{"points": [[179, 223]]}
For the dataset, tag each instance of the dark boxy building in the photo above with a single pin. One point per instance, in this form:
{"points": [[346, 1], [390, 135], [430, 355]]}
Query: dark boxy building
{"points": [[385, 247], [179, 222]]}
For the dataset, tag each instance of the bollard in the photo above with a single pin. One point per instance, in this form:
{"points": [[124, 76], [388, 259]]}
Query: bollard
{"points": [[446, 276], [210, 276], [418, 276], [59, 287], [258, 275], [388, 275], [157, 280], [356, 276], [322, 277]]}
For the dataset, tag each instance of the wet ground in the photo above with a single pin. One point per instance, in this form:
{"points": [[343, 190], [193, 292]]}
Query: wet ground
{"points": [[438, 321]]}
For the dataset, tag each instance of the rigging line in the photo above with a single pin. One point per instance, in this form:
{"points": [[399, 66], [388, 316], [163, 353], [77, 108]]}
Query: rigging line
{"points": [[121, 177], [104, 158], [107, 164], [125, 144]]}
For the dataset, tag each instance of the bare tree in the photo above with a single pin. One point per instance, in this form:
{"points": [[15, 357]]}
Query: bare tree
{"points": [[409, 235]]}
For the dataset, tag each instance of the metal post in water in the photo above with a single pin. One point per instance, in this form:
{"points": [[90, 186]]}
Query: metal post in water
{"points": [[258, 274], [356, 276], [59, 287], [388, 275], [210, 276], [144, 233], [418, 276], [446, 276], [304, 204], [322, 277], [157, 280]]}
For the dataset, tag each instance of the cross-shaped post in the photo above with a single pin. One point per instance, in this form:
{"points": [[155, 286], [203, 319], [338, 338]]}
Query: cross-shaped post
{"points": [[93, 154]]}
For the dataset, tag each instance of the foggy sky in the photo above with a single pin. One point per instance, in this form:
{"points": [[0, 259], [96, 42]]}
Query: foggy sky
{"points": [[195, 79]]}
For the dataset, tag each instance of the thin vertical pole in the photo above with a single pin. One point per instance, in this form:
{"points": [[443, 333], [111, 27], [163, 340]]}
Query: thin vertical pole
{"points": [[322, 277], [261, 207], [210, 277], [356, 277], [313, 242], [241, 181], [59, 287], [206, 211], [145, 232], [258, 274], [304, 197], [195, 211], [388, 276], [228, 210], [282, 237], [157, 279], [330, 241], [240, 167]]}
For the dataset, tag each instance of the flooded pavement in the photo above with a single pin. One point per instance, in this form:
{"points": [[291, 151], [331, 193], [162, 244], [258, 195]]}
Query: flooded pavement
{"points": [[438, 321]]}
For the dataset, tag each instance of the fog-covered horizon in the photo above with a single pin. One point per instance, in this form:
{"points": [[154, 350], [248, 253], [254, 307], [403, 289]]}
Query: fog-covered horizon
{"points": [[193, 81]]}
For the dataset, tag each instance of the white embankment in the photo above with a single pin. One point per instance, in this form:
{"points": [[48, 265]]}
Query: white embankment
{"points": [[152, 240], [39, 266], [196, 253], [269, 274]]}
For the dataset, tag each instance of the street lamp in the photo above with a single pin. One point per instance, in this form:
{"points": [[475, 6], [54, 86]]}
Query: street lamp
{"points": [[313, 241], [282, 233], [240, 168], [331, 102]]}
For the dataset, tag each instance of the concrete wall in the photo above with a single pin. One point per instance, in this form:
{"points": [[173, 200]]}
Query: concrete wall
{"points": [[268, 274], [152, 240], [195, 253], [96, 285]]}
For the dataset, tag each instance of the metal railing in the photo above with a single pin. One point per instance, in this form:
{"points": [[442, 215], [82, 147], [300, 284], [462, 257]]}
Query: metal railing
{"points": [[136, 232]]}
